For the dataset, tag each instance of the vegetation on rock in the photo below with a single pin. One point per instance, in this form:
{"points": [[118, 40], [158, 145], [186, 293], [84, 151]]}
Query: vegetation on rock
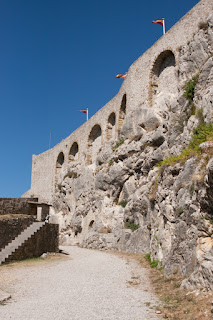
{"points": [[152, 263], [203, 133], [131, 226], [118, 144], [123, 203], [190, 88]]}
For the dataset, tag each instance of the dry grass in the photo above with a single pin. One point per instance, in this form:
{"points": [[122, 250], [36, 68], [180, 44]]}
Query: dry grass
{"points": [[176, 303]]}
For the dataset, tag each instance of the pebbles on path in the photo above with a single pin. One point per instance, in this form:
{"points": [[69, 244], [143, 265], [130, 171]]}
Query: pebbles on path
{"points": [[86, 285]]}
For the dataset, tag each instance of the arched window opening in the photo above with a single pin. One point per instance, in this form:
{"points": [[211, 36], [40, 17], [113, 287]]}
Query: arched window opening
{"points": [[111, 119], [95, 133], [59, 170], [94, 143], [123, 104], [163, 79], [110, 131], [73, 154], [60, 160], [122, 113], [164, 60], [91, 224]]}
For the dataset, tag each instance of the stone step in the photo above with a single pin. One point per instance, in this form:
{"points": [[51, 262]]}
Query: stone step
{"points": [[20, 240]]}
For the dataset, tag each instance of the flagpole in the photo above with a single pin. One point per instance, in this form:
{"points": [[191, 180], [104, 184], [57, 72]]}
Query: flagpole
{"points": [[87, 113], [50, 140], [164, 26]]}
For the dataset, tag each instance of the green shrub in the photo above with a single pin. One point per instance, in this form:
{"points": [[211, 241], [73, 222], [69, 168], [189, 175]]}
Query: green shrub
{"points": [[202, 133], [123, 203], [131, 226], [190, 87], [153, 263]]}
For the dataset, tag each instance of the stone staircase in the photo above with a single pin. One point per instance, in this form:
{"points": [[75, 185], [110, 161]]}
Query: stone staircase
{"points": [[20, 240]]}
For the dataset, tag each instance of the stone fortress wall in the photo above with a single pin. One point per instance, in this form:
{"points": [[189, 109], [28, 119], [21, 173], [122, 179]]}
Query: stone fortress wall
{"points": [[154, 72]]}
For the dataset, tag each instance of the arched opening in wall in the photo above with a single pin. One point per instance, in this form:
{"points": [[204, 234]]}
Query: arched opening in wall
{"points": [[110, 131], [165, 60], [60, 160], [94, 143], [73, 154], [163, 76], [59, 169], [91, 224], [122, 113]]}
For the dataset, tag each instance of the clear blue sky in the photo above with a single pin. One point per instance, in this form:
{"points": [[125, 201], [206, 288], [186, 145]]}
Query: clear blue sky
{"points": [[59, 56]]}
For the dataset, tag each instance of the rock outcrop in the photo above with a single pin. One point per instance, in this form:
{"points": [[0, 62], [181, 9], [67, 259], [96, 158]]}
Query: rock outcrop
{"points": [[129, 200]]}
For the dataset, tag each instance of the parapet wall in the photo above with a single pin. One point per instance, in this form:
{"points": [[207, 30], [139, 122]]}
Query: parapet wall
{"points": [[17, 206], [136, 93]]}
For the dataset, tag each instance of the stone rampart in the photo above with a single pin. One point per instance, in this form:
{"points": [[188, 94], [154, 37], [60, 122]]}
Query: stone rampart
{"points": [[17, 206], [136, 93]]}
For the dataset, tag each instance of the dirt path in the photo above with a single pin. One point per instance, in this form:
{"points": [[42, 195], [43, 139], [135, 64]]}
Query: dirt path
{"points": [[85, 285]]}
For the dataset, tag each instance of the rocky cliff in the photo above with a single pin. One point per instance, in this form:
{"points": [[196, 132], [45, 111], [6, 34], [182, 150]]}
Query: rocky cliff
{"points": [[152, 190]]}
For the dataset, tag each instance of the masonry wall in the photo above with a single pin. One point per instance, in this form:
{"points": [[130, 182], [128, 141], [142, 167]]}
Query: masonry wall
{"points": [[45, 240], [17, 206], [138, 88], [11, 228]]}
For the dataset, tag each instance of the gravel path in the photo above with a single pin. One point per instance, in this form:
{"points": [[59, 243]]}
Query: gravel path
{"points": [[86, 285]]}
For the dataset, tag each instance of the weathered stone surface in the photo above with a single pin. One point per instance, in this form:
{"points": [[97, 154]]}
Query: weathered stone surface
{"points": [[4, 296], [148, 120]]}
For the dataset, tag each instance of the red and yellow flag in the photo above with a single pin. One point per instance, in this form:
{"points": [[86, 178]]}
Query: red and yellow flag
{"points": [[158, 21], [83, 111], [121, 76]]}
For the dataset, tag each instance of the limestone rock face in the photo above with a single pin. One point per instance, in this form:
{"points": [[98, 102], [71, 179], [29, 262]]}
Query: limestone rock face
{"points": [[124, 201]]}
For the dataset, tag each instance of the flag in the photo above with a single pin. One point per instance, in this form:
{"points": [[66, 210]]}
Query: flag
{"points": [[121, 76], [83, 111], [158, 21]]}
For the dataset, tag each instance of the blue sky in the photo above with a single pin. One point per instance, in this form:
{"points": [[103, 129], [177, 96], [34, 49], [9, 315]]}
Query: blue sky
{"points": [[60, 56]]}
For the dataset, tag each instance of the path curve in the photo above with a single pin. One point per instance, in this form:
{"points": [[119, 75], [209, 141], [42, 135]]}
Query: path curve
{"points": [[86, 285]]}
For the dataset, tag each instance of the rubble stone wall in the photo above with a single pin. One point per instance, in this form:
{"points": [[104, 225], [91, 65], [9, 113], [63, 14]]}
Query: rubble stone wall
{"points": [[17, 206]]}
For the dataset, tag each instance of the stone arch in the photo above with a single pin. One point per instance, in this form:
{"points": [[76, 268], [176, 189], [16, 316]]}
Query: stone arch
{"points": [[122, 113], [73, 154], [94, 143], [59, 169], [110, 130], [164, 60], [91, 224], [60, 160], [163, 75]]}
